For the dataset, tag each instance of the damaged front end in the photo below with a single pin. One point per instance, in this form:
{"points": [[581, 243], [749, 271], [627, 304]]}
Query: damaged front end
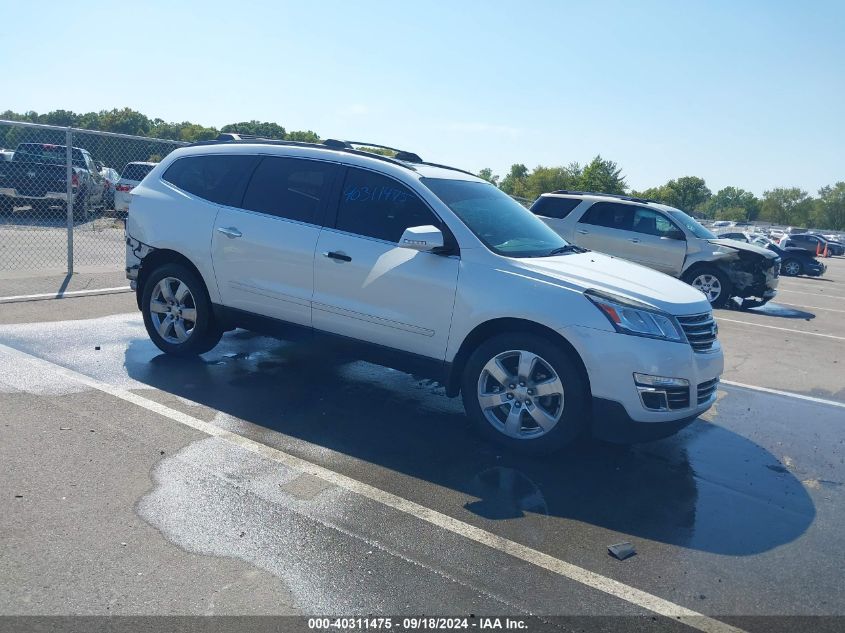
{"points": [[753, 271]]}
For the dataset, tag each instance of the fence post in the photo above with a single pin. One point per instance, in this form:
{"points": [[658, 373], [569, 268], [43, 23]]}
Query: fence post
{"points": [[69, 192]]}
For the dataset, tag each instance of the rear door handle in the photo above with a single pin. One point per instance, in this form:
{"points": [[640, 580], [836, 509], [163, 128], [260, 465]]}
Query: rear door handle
{"points": [[635, 240], [229, 231], [583, 231], [341, 257]]}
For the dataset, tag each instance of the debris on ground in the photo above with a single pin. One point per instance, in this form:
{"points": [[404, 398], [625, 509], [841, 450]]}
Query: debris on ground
{"points": [[97, 348], [64, 428], [622, 550]]}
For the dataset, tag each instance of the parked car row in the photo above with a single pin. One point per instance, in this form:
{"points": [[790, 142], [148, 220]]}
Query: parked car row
{"points": [[794, 260], [35, 176]]}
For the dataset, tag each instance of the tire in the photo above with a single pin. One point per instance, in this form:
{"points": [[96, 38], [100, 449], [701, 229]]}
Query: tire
{"points": [[197, 336], [712, 282], [6, 206], [566, 413], [80, 210], [792, 268]]}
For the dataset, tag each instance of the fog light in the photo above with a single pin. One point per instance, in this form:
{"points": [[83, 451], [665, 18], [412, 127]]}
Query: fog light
{"points": [[659, 381]]}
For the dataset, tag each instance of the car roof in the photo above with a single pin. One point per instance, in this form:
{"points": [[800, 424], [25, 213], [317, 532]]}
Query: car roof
{"points": [[404, 164]]}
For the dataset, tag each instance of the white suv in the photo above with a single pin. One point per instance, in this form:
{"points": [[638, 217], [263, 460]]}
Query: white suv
{"points": [[423, 268]]}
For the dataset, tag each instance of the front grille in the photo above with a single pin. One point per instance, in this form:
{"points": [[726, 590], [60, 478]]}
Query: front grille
{"points": [[706, 390], [700, 330]]}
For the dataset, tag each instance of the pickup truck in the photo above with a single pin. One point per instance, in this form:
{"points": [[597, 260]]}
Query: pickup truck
{"points": [[37, 177]]}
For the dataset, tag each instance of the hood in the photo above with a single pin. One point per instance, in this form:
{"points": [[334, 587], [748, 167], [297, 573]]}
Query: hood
{"points": [[582, 271], [744, 246]]}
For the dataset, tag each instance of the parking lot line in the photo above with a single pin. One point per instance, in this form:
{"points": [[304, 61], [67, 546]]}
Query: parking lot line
{"points": [[812, 294], [784, 329], [789, 394], [798, 305], [532, 556], [62, 295]]}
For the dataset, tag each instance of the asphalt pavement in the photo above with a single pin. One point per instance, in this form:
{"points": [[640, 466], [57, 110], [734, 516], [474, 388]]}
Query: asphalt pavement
{"points": [[270, 478]]}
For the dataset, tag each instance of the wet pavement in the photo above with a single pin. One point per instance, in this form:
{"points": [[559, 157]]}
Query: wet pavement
{"points": [[740, 514]]}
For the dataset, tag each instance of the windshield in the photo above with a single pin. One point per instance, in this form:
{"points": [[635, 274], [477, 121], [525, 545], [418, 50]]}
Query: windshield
{"points": [[502, 224], [690, 224], [46, 153]]}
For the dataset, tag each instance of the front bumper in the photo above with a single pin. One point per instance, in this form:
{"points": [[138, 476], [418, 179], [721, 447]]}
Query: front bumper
{"points": [[611, 359]]}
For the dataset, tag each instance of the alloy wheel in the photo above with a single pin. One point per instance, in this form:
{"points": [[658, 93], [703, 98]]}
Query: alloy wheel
{"points": [[709, 285], [520, 394], [173, 310]]}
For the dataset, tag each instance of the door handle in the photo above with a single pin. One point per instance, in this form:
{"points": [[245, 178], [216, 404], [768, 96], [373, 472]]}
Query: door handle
{"points": [[583, 232], [635, 240], [229, 231], [341, 257]]}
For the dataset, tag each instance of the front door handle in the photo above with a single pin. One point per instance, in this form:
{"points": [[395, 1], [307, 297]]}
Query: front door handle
{"points": [[635, 240], [341, 257], [583, 231], [229, 231]]}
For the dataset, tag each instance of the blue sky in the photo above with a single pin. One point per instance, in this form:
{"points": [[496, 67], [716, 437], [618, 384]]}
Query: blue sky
{"points": [[750, 94]]}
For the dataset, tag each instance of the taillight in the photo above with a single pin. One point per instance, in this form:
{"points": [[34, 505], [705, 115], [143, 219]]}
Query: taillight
{"points": [[74, 179], [124, 187]]}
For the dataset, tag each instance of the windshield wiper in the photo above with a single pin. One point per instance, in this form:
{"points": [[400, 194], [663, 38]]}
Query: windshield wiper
{"points": [[569, 248]]}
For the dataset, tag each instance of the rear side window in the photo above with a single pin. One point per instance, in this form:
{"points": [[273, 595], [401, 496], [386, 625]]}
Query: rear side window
{"points": [[217, 178], [611, 215], [552, 207], [290, 188], [380, 207], [135, 171]]}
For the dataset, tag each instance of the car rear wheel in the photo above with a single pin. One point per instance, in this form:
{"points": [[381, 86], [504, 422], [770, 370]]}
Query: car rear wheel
{"points": [[713, 283], [791, 268], [523, 391], [177, 312]]}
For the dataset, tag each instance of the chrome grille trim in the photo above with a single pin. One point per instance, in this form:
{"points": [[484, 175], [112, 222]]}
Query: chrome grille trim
{"points": [[700, 330]]}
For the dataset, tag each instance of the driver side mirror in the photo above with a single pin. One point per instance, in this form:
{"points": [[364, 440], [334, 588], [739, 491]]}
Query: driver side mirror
{"points": [[676, 234], [422, 238]]}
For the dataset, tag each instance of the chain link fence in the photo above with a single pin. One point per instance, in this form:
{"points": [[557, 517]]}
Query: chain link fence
{"points": [[64, 193]]}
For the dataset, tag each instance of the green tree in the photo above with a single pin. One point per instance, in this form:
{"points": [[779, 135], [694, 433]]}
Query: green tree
{"points": [[257, 128], [514, 182], [829, 212], [733, 198], [303, 136], [687, 193], [735, 214], [786, 206], [602, 176], [487, 174], [545, 179]]}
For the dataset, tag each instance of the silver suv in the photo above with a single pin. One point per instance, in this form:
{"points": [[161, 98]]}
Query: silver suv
{"points": [[665, 239]]}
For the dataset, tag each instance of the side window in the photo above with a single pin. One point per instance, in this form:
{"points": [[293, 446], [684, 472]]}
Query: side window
{"points": [[380, 207], [611, 215], [553, 207], [218, 178], [290, 188], [651, 222]]}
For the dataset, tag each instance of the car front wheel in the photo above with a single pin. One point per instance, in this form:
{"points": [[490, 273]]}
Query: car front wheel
{"points": [[713, 283], [524, 392], [791, 268], [177, 312]]}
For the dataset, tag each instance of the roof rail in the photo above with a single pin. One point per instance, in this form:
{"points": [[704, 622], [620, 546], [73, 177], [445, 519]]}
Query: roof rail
{"points": [[606, 195], [402, 157]]}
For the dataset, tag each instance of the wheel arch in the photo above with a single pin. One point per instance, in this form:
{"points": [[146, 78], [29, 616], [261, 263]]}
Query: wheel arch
{"points": [[158, 258], [491, 328]]}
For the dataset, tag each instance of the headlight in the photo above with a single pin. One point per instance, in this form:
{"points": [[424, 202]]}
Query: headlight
{"points": [[630, 317]]}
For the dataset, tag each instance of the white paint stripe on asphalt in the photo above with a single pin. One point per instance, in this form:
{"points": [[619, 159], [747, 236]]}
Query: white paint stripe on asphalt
{"points": [[798, 305], [812, 294], [532, 556], [783, 329], [789, 394], [67, 293]]}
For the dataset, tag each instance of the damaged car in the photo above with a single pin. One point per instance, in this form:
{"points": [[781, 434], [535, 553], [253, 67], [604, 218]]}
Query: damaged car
{"points": [[665, 239]]}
